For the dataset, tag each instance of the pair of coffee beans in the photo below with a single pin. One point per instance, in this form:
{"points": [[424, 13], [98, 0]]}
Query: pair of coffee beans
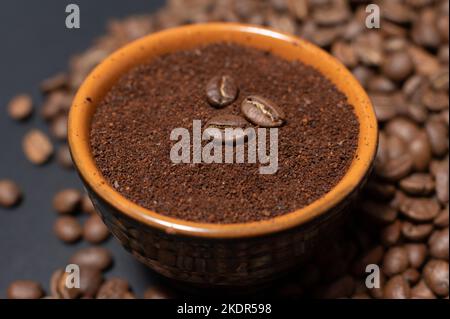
{"points": [[222, 91]]}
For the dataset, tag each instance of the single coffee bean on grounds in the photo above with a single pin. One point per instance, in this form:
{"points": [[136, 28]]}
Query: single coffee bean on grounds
{"points": [[130, 135]]}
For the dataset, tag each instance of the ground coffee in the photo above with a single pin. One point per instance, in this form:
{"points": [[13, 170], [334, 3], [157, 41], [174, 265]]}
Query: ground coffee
{"points": [[130, 135]]}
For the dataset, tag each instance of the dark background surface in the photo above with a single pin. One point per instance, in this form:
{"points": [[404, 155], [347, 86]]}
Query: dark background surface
{"points": [[34, 45]]}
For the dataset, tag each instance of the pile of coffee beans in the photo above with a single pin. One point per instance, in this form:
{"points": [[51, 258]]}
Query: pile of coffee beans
{"points": [[401, 223]]}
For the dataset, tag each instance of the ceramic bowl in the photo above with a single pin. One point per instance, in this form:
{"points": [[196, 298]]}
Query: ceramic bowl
{"points": [[219, 254]]}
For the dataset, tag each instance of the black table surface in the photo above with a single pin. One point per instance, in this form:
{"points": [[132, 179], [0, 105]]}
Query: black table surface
{"points": [[35, 44]]}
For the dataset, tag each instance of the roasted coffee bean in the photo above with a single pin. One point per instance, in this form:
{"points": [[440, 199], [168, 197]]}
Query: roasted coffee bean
{"points": [[441, 220], [10, 193], [398, 66], [37, 147], [56, 82], [64, 158], [390, 234], [397, 288], [420, 209], [395, 261], [25, 289], [435, 274], [381, 84], [90, 281], [418, 184], [20, 107], [422, 291], [59, 287], [262, 112], [86, 205], [406, 129], [416, 232], [416, 112], [158, 292], [94, 230], [378, 293], [58, 127], [411, 275], [420, 150], [438, 136], [435, 101], [382, 155], [396, 147], [440, 171], [345, 53], [67, 201], [221, 91], [416, 254], [397, 168], [228, 121], [57, 103], [96, 257], [438, 244], [115, 288], [68, 229]]}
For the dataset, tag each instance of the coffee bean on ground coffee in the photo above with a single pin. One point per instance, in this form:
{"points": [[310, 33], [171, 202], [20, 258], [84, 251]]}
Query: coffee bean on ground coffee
{"points": [[130, 135]]}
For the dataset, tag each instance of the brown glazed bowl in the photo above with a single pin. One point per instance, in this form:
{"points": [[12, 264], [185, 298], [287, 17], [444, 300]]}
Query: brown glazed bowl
{"points": [[218, 254]]}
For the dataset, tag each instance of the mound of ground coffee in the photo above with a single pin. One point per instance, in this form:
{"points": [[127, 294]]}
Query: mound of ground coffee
{"points": [[130, 135]]}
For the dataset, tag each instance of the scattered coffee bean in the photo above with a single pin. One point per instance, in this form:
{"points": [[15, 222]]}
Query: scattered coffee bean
{"points": [[68, 229], [221, 91], [20, 107], [397, 288], [96, 257], [416, 232], [115, 288], [398, 66], [441, 220], [422, 291], [438, 136], [411, 275], [438, 244], [56, 82], [390, 235], [420, 209], [395, 261], [158, 292], [94, 230], [10, 193], [58, 127], [59, 286], [25, 289], [64, 158], [37, 147], [420, 150], [403, 128], [262, 112], [222, 122], [418, 184], [435, 274], [397, 168], [417, 254], [67, 201], [57, 103]]}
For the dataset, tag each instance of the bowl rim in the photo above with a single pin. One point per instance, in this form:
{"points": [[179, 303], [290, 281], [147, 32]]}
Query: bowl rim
{"points": [[79, 142]]}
